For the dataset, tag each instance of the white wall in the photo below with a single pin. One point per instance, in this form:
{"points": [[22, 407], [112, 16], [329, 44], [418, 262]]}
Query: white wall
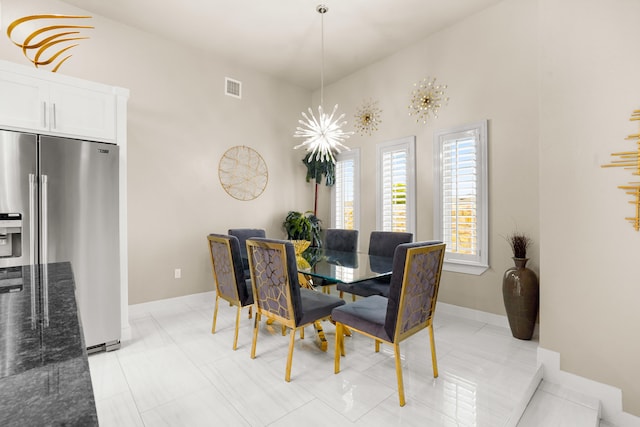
{"points": [[180, 124], [489, 63], [590, 84]]}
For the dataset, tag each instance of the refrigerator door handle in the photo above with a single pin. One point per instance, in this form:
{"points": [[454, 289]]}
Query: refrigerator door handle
{"points": [[53, 119], [44, 219], [32, 220], [44, 247], [32, 247]]}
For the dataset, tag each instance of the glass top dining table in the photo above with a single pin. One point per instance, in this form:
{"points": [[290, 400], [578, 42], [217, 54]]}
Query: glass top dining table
{"points": [[344, 267]]}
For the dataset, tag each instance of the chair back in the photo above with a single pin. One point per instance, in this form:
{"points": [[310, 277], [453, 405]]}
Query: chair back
{"points": [[274, 277], [414, 287], [384, 243], [246, 233], [228, 271], [341, 240]]}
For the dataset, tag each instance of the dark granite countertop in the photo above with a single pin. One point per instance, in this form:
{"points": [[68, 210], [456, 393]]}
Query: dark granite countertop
{"points": [[44, 371]]}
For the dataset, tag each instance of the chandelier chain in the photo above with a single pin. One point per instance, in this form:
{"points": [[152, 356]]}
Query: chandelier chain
{"points": [[322, 12]]}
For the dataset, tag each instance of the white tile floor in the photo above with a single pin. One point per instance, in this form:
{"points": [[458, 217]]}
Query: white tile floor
{"points": [[174, 372]]}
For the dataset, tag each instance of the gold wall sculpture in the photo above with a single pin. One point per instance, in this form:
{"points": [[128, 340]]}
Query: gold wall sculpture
{"points": [[44, 44], [427, 99], [630, 160]]}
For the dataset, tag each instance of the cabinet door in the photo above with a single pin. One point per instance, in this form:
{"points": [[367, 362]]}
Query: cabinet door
{"points": [[82, 112], [23, 102]]}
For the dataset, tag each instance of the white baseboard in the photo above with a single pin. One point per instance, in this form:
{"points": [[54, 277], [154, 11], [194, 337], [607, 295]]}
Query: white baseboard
{"points": [[125, 333], [610, 397]]}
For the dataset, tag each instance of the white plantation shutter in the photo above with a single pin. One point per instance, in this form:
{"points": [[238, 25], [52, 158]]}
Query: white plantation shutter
{"points": [[396, 184], [344, 206], [461, 197]]}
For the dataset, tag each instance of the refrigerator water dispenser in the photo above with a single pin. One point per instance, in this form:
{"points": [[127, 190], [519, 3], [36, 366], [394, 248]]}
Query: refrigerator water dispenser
{"points": [[10, 235]]}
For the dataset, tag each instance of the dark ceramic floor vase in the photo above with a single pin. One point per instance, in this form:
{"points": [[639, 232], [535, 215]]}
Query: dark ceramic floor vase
{"points": [[521, 293]]}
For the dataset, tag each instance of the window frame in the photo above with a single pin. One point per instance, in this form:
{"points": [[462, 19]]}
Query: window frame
{"points": [[352, 154], [407, 143], [479, 263]]}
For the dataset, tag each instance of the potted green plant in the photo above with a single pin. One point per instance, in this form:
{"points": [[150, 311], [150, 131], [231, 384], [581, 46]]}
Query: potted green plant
{"points": [[303, 226], [520, 289]]}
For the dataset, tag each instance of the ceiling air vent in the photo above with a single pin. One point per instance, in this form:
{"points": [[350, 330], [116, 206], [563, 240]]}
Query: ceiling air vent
{"points": [[233, 87]]}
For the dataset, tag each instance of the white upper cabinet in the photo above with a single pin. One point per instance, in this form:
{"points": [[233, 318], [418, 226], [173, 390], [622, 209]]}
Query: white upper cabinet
{"points": [[82, 112], [41, 101], [22, 102]]}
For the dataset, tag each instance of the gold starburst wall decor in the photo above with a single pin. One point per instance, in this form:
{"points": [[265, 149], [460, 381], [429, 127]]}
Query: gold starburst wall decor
{"points": [[45, 38], [426, 99], [631, 160], [368, 117]]}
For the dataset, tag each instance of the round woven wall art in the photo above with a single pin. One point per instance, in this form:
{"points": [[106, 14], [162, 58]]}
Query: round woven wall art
{"points": [[243, 173]]}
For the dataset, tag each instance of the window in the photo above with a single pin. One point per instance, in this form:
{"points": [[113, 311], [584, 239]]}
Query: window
{"points": [[460, 197], [345, 208], [396, 185]]}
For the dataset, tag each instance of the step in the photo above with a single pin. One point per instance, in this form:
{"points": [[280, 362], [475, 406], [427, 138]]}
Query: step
{"points": [[556, 406]]}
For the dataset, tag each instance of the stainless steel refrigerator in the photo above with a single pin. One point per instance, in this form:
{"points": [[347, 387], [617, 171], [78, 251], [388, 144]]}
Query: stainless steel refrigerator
{"points": [[58, 203]]}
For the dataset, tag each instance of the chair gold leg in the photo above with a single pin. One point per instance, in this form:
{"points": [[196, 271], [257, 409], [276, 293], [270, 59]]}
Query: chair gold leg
{"points": [[287, 376], [301, 333], [256, 323], [284, 330], [235, 334], [341, 294], [322, 339], [396, 349], [215, 316], [339, 350], [250, 311], [377, 346], [353, 297], [434, 360], [347, 331]]}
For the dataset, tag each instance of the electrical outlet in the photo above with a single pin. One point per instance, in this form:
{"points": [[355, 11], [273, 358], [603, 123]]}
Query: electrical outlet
{"points": [[177, 273]]}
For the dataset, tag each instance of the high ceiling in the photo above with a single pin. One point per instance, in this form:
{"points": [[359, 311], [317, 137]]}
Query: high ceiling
{"points": [[283, 37]]}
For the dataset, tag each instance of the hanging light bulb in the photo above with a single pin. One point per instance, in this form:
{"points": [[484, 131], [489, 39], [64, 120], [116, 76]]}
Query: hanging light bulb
{"points": [[323, 135]]}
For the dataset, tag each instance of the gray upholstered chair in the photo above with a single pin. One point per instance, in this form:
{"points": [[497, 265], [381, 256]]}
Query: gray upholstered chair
{"points": [[408, 309], [228, 273], [381, 243], [243, 234], [277, 292], [337, 239], [343, 240]]}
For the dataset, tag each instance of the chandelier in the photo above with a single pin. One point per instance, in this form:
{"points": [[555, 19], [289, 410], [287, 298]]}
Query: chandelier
{"points": [[323, 135]]}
